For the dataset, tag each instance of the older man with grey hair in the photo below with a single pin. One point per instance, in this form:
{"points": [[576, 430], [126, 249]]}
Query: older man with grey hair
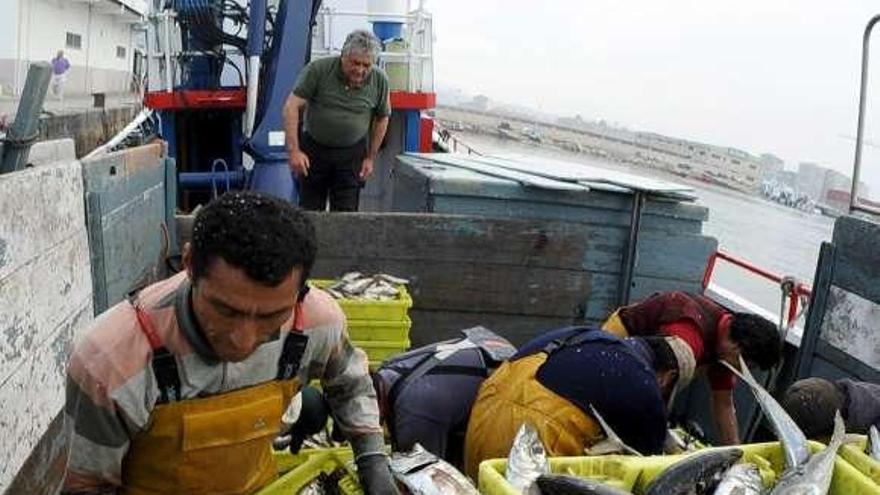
{"points": [[345, 99]]}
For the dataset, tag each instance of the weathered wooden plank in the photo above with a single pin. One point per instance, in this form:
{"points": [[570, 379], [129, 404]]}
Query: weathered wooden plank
{"points": [[460, 238], [602, 299], [680, 257], [41, 207], [431, 326], [40, 296], [27, 409], [132, 255], [818, 303], [510, 208], [121, 176]]}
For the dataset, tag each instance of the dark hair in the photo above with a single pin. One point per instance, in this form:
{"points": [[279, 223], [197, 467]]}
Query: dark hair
{"points": [[262, 235], [811, 403], [664, 358], [757, 338]]}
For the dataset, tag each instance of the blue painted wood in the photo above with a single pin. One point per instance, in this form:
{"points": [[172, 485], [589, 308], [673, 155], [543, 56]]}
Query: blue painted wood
{"points": [[171, 204], [451, 181], [497, 207], [128, 207], [96, 252]]}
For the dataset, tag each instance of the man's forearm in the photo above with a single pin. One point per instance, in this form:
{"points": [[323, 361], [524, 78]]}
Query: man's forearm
{"points": [[380, 126], [291, 126], [724, 413]]}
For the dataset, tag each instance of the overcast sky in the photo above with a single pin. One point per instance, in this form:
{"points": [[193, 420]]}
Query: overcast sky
{"points": [[763, 75]]}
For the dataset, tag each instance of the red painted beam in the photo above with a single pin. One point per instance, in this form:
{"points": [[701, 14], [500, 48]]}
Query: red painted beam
{"points": [[426, 135], [401, 100], [231, 99]]}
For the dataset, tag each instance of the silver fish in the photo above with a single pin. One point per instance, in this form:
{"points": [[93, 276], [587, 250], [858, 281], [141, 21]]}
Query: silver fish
{"points": [[554, 484], [527, 459], [612, 444], [794, 443], [741, 479], [873, 447], [423, 473], [696, 474], [813, 478]]}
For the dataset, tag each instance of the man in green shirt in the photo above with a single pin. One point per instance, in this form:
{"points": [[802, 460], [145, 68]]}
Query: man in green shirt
{"points": [[346, 105]]}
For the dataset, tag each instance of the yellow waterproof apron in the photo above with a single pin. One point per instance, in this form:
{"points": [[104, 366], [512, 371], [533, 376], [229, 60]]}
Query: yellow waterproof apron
{"points": [[219, 444], [513, 396], [614, 325]]}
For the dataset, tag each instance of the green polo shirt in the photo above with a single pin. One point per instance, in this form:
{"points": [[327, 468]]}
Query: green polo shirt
{"points": [[338, 115]]}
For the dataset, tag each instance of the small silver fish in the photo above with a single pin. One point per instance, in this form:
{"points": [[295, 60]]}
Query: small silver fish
{"points": [[794, 443], [814, 478], [527, 459], [741, 479], [423, 473], [873, 447]]}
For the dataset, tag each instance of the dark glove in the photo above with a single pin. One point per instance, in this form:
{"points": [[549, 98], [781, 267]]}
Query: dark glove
{"points": [[375, 474]]}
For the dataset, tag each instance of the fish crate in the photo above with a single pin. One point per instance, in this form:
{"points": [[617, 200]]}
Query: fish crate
{"points": [[619, 471], [634, 474], [324, 463], [373, 330], [380, 350], [846, 480], [285, 461], [855, 455], [358, 310]]}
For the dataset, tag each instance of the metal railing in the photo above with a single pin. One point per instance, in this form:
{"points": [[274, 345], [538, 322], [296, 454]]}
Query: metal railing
{"points": [[417, 57], [796, 293], [452, 143]]}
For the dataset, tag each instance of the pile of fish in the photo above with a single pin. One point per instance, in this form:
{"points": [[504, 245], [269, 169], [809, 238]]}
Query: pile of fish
{"points": [[356, 285], [325, 484], [711, 471]]}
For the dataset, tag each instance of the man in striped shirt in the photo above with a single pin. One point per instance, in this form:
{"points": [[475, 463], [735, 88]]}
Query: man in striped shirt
{"points": [[182, 388]]}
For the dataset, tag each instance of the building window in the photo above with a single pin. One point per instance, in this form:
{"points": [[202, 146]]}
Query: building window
{"points": [[735, 162], [120, 52], [74, 41]]}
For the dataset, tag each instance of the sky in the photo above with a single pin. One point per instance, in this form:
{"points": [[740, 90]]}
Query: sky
{"points": [[772, 76]]}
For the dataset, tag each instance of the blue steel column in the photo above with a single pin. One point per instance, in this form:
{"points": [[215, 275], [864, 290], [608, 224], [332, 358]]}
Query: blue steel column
{"points": [[283, 63], [413, 123]]}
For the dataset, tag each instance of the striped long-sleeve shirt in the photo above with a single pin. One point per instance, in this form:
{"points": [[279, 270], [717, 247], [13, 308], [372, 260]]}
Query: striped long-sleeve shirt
{"points": [[112, 390]]}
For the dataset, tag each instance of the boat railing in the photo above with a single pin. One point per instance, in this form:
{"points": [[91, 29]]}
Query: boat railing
{"points": [[408, 60], [794, 295], [451, 142]]}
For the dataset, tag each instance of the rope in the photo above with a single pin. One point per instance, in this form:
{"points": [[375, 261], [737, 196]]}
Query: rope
{"points": [[21, 143]]}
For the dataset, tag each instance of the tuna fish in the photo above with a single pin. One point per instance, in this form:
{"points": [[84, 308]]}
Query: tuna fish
{"points": [[813, 478], [612, 444], [873, 447], [741, 479], [696, 474], [552, 484], [794, 443]]}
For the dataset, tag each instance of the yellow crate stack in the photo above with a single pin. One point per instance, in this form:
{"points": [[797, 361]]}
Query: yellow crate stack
{"points": [[380, 328]]}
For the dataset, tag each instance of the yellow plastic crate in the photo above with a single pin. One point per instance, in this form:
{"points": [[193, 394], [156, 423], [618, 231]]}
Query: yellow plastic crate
{"points": [[615, 470], [354, 309], [325, 462], [369, 330], [635, 473], [380, 350], [847, 480], [287, 461], [854, 454]]}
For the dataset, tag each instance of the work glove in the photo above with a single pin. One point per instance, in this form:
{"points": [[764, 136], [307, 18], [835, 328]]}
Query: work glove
{"points": [[375, 474]]}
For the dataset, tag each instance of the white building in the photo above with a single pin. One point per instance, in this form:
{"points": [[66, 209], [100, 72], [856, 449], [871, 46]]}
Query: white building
{"points": [[99, 38]]}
